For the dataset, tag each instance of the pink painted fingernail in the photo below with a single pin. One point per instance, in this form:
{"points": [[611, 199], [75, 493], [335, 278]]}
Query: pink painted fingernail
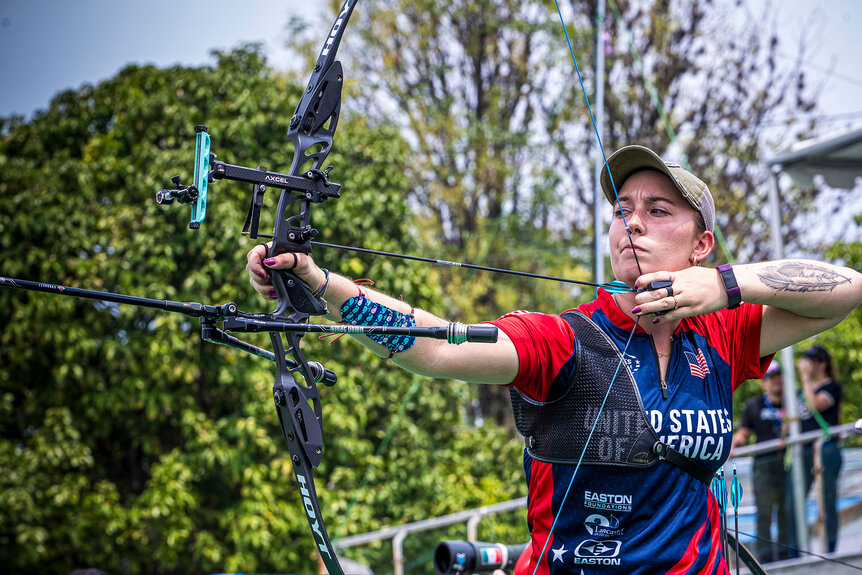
{"points": [[637, 310], [262, 276], [655, 320], [269, 262], [273, 296]]}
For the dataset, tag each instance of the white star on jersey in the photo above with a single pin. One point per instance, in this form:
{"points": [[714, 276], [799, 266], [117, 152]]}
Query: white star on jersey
{"points": [[558, 553]]}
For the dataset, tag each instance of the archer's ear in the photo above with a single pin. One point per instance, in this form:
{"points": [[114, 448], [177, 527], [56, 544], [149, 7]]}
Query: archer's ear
{"points": [[703, 246]]}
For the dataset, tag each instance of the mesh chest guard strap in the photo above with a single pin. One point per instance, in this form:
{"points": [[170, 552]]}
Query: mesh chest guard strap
{"points": [[556, 431]]}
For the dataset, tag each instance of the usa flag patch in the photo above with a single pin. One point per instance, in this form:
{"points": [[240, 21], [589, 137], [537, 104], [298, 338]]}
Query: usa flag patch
{"points": [[697, 363]]}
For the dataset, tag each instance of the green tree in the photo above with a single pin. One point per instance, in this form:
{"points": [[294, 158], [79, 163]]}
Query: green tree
{"points": [[474, 86], [128, 443], [706, 81]]}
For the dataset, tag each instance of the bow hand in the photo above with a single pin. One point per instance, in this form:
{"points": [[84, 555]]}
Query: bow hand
{"points": [[297, 265], [293, 292]]}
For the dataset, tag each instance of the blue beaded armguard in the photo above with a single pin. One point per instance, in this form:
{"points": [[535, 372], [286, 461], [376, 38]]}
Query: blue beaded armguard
{"points": [[360, 310]]}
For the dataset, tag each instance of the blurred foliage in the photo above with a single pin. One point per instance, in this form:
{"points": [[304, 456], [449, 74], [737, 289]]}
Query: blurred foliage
{"points": [[844, 341], [129, 444]]}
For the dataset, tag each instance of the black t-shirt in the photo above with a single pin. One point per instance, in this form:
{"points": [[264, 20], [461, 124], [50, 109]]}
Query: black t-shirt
{"points": [[830, 415], [763, 418]]}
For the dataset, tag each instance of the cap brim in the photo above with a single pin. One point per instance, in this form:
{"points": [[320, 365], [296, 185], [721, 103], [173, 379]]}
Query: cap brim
{"points": [[625, 162]]}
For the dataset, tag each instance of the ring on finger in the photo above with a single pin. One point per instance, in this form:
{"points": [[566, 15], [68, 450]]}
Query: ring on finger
{"points": [[669, 291], [675, 303]]}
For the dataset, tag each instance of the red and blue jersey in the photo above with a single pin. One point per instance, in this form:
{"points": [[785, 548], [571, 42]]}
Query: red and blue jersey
{"points": [[629, 520]]}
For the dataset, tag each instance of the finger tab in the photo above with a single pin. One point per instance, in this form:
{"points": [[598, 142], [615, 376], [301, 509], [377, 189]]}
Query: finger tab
{"points": [[659, 284]]}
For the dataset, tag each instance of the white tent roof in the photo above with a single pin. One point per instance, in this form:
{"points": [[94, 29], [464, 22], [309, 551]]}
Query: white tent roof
{"points": [[838, 158]]}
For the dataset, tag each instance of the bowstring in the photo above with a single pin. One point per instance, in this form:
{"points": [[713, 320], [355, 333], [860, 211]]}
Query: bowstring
{"points": [[640, 272]]}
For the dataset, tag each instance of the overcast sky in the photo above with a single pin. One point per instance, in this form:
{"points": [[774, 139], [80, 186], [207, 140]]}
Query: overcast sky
{"points": [[50, 45]]}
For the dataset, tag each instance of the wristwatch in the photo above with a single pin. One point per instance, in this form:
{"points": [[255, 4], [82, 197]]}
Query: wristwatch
{"points": [[734, 296]]}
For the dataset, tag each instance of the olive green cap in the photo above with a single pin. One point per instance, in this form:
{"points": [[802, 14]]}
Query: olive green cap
{"points": [[630, 159]]}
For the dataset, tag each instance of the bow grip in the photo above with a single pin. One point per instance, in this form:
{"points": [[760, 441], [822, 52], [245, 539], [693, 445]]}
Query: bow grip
{"points": [[293, 293]]}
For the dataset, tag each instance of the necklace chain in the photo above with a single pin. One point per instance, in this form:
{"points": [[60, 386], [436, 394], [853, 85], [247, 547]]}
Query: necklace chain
{"points": [[660, 354]]}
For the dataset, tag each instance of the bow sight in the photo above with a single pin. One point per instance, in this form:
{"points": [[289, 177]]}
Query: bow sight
{"points": [[196, 194], [313, 185]]}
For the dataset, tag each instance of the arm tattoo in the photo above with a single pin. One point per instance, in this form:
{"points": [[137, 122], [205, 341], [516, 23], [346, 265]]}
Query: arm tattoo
{"points": [[801, 277]]}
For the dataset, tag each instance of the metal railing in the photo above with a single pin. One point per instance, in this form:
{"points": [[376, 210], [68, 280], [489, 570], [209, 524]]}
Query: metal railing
{"points": [[398, 534]]}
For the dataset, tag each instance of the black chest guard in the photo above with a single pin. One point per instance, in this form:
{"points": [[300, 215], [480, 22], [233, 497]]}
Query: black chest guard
{"points": [[556, 431]]}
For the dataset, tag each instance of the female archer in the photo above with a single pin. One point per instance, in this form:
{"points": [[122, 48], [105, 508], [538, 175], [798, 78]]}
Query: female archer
{"points": [[625, 402]]}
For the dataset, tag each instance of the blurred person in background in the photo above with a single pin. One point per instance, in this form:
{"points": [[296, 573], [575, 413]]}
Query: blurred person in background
{"points": [[820, 410], [763, 417]]}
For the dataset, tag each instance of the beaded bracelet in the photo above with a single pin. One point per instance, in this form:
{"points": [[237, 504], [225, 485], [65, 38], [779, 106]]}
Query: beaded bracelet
{"points": [[319, 292]]}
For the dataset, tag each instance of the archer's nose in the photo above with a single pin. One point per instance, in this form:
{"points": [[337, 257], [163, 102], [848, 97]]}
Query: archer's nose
{"points": [[635, 223]]}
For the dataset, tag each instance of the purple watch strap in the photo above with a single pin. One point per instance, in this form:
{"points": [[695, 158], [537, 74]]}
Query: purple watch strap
{"points": [[734, 296]]}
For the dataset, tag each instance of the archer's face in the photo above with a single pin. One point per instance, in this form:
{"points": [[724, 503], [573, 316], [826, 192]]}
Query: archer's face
{"points": [[662, 226]]}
